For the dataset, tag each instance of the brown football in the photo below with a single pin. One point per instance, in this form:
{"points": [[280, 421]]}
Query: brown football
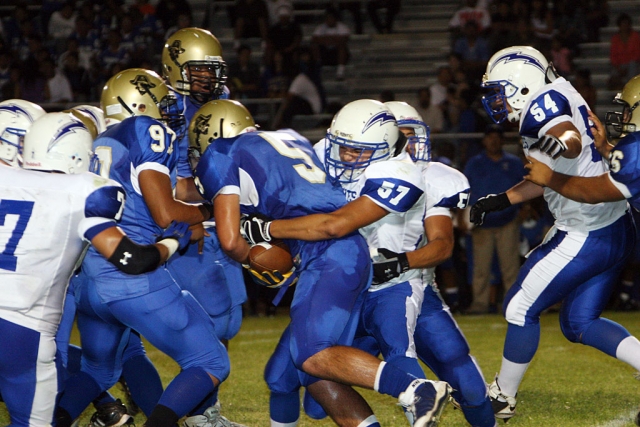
{"points": [[270, 256]]}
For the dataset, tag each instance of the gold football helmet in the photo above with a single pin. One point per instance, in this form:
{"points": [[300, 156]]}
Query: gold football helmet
{"points": [[621, 123], [140, 92], [192, 64], [86, 120], [222, 118]]}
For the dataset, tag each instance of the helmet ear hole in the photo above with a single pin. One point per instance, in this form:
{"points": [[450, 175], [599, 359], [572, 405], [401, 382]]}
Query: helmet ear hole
{"points": [[524, 90]]}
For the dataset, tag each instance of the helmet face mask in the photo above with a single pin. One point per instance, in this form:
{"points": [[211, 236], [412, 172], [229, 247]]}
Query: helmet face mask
{"points": [[626, 119], [58, 142], [513, 75], [362, 132], [192, 64], [16, 117]]}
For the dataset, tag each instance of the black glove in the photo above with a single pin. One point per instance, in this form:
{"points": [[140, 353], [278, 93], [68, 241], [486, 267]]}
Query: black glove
{"points": [[490, 203], [256, 228], [388, 265], [550, 145]]}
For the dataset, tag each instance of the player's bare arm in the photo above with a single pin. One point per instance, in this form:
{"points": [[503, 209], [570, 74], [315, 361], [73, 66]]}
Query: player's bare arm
{"points": [[599, 132], [226, 211], [186, 190], [524, 191], [354, 215], [158, 195], [580, 189], [439, 231]]}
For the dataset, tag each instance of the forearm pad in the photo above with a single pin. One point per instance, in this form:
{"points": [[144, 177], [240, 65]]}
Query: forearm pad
{"points": [[132, 258]]}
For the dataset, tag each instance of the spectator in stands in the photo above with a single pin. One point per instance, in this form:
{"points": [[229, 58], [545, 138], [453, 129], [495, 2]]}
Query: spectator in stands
{"points": [[474, 51], [114, 52], [470, 12], [561, 56], [569, 16], [440, 87], [132, 40], [46, 10], [62, 23], [272, 8], [522, 33], [244, 76], [183, 21], [87, 39], [492, 172], [32, 85], [305, 94], [353, 7], [285, 37], [585, 87], [431, 114], [501, 25], [251, 20], [59, 88], [11, 89], [274, 80], [597, 16], [330, 42], [542, 23], [78, 77], [167, 11], [392, 8], [624, 52]]}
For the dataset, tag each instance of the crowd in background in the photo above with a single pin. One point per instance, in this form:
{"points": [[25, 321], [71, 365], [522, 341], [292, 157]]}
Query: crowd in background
{"points": [[57, 51]]}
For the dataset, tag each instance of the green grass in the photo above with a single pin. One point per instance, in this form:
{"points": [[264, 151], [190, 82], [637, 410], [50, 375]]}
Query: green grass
{"points": [[567, 385]]}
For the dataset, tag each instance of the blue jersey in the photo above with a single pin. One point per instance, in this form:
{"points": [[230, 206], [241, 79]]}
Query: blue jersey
{"points": [[625, 168], [281, 177], [125, 150]]}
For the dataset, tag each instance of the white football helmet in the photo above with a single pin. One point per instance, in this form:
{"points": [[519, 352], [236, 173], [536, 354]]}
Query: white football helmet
{"points": [[419, 146], [95, 113], [362, 132], [16, 117], [513, 75], [58, 142]]}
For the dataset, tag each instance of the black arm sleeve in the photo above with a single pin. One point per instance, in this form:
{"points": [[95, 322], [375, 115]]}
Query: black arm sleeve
{"points": [[132, 258]]}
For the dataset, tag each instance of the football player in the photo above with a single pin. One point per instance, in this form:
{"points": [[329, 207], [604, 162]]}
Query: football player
{"points": [[193, 67], [16, 117], [140, 152], [440, 343], [48, 217], [586, 249], [314, 342]]}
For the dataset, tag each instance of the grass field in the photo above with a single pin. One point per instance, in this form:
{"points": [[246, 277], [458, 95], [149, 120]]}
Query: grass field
{"points": [[567, 385]]}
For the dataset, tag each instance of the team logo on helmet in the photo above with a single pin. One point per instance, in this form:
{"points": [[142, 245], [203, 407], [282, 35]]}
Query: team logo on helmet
{"points": [[17, 110], [142, 84], [175, 50], [201, 127], [518, 56], [381, 118], [69, 128]]}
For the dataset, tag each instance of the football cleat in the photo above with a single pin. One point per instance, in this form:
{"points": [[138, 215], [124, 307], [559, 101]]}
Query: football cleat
{"points": [[504, 407], [210, 418], [425, 400], [111, 414]]}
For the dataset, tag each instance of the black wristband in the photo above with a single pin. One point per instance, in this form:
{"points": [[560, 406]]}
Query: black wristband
{"points": [[403, 262]]}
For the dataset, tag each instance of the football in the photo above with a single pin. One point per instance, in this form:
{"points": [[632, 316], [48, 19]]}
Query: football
{"points": [[270, 256]]}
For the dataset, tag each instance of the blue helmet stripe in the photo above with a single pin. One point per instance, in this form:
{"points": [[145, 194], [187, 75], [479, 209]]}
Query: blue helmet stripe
{"points": [[381, 117], [519, 56]]}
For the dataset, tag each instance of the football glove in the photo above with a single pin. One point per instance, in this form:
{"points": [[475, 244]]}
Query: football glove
{"points": [[550, 145], [178, 231], [256, 228], [388, 265], [274, 279], [490, 203]]}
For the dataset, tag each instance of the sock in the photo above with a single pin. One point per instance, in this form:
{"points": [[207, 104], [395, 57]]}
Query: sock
{"points": [[371, 421], [604, 335], [510, 376], [521, 342], [161, 416], [284, 409], [186, 390], [391, 380], [143, 381], [208, 402], [629, 352]]}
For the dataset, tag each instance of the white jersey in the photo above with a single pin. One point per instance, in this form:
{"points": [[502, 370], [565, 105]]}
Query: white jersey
{"points": [[556, 103], [397, 186], [44, 219], [446, 188]]}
